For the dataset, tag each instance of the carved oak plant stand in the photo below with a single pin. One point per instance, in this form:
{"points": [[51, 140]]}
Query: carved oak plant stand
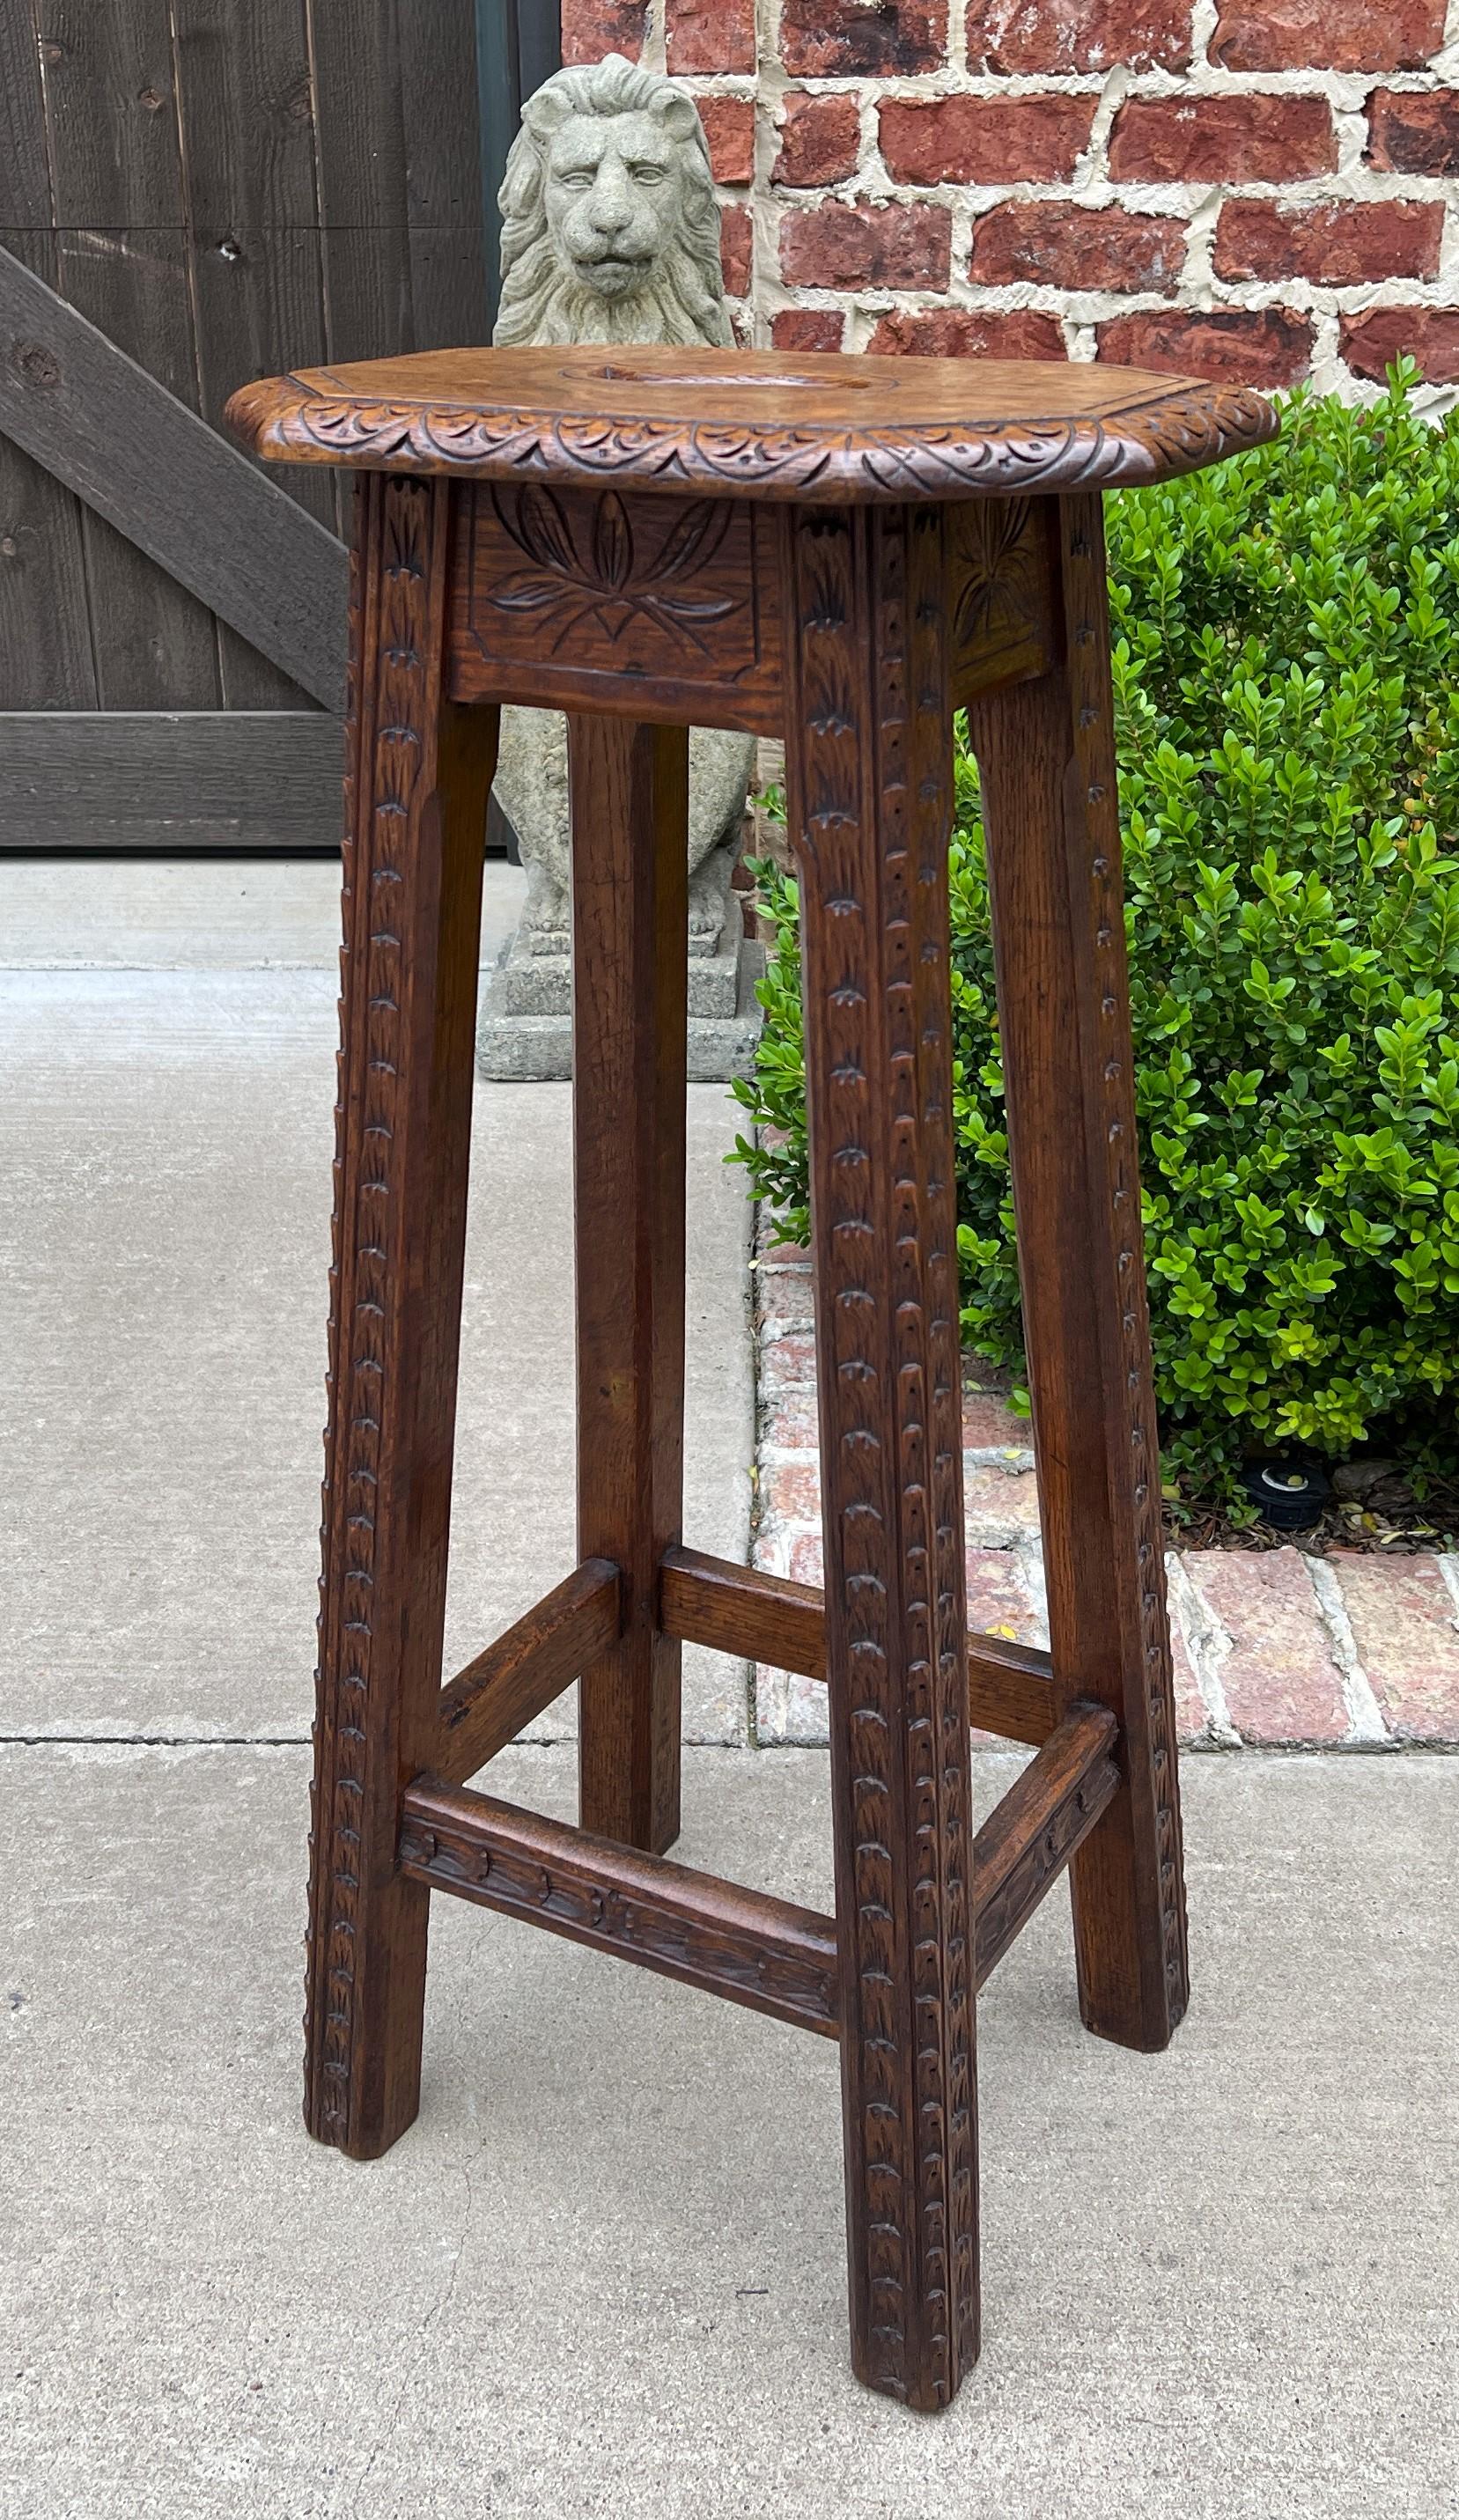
{"points": [[835, 551]]}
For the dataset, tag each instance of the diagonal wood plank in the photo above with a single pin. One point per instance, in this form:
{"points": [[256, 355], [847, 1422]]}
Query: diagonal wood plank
{"points": [[162, 477]]}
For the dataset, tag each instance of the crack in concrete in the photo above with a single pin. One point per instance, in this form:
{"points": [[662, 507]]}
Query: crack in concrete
{"points": [[154, 1741]]}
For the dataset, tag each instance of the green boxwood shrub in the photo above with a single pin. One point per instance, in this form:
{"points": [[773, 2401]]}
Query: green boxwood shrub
{"points": [[1286, 679]]}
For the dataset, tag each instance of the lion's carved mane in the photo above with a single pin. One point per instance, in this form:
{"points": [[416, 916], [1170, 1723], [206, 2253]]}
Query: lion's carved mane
{"points": [[542, 299]]}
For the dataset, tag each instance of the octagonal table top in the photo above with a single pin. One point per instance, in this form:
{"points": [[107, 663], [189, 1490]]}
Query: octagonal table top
{"points": [[814, 427]]}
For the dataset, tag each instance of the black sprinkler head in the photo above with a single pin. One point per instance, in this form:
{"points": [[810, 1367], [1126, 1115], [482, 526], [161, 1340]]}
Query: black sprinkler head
{"points": [[1289, 1494]]}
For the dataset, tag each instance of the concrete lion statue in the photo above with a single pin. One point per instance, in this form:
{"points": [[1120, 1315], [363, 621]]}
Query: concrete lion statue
{"points": [[609, 225], [610, 233]]}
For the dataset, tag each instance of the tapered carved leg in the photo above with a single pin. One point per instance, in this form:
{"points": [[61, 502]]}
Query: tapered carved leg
{"points": [[629, 792], [870, 791], [1047, 756], [416, 787]]}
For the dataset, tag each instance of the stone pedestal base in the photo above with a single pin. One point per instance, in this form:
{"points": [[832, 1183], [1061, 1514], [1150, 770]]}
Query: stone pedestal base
{"points": [[526, 1031]]}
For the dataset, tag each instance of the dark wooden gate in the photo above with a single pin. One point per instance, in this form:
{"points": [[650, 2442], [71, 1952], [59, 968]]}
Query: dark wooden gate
{"points": [[193, 193]]}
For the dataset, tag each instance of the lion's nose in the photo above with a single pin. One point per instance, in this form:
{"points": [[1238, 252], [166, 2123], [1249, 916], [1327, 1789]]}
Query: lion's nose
{"points": [[609, 207]]}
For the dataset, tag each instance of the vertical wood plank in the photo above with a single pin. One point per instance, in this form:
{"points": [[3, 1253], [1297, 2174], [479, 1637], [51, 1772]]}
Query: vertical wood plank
{"points": [[46, 658], [245, 95], [157, 646], [869, 775], [117, 163], [398, 176], [630, 909], [416, 807], [46, 655], [25, 173], [519, 45], [362, 177], [114, 142], [539, 42], [1051, 815]]}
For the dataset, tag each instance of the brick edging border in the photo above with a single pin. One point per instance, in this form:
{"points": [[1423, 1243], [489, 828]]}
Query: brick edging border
{"points": [[1276, 1650]]}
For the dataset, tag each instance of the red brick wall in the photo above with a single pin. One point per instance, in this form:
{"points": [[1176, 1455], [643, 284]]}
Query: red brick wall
{"points": [[1258, 189]]}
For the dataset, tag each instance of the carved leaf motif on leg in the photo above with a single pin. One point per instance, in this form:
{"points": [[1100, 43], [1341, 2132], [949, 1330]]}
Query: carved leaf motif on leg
{"points": [[419, 780], [388, 685], [870, 771]]}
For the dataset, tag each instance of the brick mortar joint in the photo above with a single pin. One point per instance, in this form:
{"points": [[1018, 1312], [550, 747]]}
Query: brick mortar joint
{"points": [[1207, 1649], [1174, 196], [1348, 91], [1367, 1729]]}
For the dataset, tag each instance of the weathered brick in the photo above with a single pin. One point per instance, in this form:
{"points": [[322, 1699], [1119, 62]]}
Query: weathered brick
{"points": [[844, 38], [1251, 139], [989, 1423], [1281, 1681], [999, 1502], [790, 1422], [985, 138], [791, 1491], [729, 128], [1403, 1624], [788, 1707], [998, 1598], [807, 1561], [855, 245], [788, 1363], [1191, 1714], [593, 27], [998, 1605], [711, 36], [820, 139], [967, 333], [1268, 345], [807, 328], [1066, 248], [1414, 133], [1339, 241], [736, 249], [1327, 34], [1024, 36], [1429, 333], [784, 1293]]}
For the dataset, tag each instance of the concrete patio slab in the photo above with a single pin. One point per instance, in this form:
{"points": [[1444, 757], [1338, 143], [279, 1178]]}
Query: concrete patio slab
{"points": [[163, 1249], [603, 2273], [197, 914]]}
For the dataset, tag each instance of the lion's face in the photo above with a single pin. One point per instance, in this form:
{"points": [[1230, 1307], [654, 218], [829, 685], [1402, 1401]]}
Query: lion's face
{"points": [[613, 198], [609, 225]]}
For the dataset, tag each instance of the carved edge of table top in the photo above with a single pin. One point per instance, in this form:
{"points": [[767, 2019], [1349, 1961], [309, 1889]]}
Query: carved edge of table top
{"points": [[289, 419]]}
